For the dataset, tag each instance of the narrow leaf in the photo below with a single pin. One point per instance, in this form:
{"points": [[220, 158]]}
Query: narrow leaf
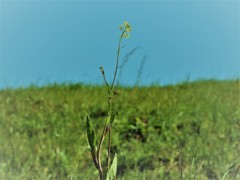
{"points": [[90, 133], [112, 172], [91, 140]]}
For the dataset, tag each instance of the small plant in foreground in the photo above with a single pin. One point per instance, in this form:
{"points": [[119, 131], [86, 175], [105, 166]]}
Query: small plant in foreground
{"points": [[108, 171]]}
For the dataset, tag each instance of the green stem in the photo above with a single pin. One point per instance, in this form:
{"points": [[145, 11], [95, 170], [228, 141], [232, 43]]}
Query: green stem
{"points": [[99, 152], [107, 127], [118, 55], [104, 78], [109, 147]]}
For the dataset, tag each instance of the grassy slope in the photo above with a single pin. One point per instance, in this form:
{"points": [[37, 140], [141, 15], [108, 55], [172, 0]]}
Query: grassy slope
{"points": [[42, 131]]}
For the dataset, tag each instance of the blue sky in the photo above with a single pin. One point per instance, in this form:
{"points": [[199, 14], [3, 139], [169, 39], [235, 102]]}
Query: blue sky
{"points": [[66, 41]]}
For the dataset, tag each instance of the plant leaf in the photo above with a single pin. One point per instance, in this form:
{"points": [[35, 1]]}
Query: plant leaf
{"points": [[91, 140], [112, 172], [90, 134]]}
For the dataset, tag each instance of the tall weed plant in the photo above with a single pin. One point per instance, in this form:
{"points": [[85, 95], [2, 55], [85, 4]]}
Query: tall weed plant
{"points": [[107, 169]]}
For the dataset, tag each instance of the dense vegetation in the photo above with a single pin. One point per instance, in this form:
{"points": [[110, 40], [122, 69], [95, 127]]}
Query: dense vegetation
{"points": [[169, 132]]}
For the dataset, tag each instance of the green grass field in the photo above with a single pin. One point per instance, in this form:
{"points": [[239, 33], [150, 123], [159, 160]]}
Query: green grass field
{"points": [[169, 132]]}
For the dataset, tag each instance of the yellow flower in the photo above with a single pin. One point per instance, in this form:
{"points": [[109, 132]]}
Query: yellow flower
{"points": [[125, 35], [125, 28], [128, 29], [126, 24], [120, 27]]}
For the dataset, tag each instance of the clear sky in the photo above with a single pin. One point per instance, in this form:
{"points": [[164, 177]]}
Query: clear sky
{"points": [[67, 41]]}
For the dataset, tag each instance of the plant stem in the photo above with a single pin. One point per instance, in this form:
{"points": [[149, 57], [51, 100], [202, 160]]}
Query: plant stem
{"points": [[99, 152], [118, 55], [107, 127], [104, 78], [109, 147]]}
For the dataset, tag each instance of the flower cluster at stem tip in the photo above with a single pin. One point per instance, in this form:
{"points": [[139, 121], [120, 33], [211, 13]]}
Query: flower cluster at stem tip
{"points": [[126, 29]]}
